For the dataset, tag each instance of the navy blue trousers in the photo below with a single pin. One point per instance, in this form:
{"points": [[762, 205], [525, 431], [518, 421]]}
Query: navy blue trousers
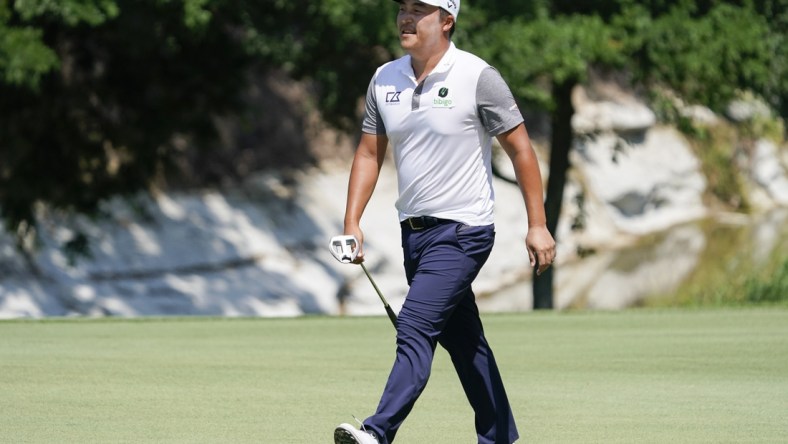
{"points": [[441, 262]]}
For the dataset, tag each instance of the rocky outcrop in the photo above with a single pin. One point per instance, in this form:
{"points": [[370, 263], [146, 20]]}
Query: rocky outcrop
{"points": [[632, 175], [260, 249]]}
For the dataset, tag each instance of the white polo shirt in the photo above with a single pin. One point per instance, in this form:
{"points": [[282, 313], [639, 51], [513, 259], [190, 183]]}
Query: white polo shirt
{"points": [[441, 133]]}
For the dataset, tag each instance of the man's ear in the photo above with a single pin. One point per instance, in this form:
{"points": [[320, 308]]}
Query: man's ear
{"points": [[448, 23]]}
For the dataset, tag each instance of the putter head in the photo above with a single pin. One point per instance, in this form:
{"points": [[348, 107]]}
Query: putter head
{"points": [[344, 248]]}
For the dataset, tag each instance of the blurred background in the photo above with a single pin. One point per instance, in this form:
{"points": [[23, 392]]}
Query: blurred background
{"points": [[190, 157]]}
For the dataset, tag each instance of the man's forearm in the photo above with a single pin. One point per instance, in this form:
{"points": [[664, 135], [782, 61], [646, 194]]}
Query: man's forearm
{"points": [[363, 177], [529, 178], [517, 145]]}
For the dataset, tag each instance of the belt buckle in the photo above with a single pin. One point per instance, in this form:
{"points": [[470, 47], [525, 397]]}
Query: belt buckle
{"points": [[416, 227]]}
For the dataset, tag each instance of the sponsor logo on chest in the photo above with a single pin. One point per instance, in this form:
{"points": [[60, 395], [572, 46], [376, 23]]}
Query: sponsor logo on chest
{"points": [[443, 100], [393, 96]]}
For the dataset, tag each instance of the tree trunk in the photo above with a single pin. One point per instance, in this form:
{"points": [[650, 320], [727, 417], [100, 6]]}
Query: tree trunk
{"points": [[560, 144]]}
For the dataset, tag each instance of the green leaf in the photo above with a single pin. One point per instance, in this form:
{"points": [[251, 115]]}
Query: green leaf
{"points": [[92, 12], [24, 57]]}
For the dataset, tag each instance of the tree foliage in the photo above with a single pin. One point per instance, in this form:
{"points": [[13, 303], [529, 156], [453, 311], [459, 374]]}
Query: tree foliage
{"points": [[709, 58], [102, 97], [533, 54], [96, 109], [707, 51]]}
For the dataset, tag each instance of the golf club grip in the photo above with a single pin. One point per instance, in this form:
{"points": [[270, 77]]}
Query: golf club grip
{"points": [[392, 315]]}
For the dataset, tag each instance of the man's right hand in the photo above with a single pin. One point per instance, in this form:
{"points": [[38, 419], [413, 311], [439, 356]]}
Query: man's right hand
{"points": [[356, 231]]}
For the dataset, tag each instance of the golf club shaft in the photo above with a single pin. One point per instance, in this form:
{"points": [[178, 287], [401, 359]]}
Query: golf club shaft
{"points": [[386, 305]]}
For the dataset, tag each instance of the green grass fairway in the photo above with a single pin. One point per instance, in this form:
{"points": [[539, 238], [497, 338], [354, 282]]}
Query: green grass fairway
{"points": [[638, 376]]}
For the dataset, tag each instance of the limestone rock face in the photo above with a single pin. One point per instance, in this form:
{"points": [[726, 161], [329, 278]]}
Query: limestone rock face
{"points": [[768, 172], [262, 249], [644, 176], [606, 116], [647, 183]]}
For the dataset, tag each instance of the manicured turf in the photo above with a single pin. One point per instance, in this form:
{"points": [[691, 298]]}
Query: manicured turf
{"points": [[640, 376]]}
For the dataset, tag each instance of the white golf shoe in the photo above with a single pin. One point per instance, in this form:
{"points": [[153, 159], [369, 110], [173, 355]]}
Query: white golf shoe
{"points": [[347, 434]]}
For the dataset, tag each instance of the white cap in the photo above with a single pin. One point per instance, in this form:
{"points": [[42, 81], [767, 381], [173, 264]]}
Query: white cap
{"points": [[453, 6]]}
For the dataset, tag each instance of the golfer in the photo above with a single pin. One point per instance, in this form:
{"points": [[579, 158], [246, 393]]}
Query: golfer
{"points": [[438, 108]]}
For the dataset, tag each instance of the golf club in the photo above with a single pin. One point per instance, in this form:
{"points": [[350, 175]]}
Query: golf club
{"points": [[345, 249]]}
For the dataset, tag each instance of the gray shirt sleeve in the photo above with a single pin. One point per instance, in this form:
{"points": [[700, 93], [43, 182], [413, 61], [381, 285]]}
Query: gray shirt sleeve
{"points": [[497, 108], [372, 123]]}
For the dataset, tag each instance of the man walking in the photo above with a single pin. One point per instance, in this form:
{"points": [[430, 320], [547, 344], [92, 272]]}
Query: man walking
{"points": [[438, 108]]}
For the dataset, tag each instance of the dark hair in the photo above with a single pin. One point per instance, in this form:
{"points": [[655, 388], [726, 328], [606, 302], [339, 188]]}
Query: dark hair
{"points": [[444, 14]]}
